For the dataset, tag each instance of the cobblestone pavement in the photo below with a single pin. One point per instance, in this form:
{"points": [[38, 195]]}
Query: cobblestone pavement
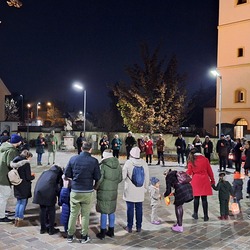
{"points": [[214, 234]]}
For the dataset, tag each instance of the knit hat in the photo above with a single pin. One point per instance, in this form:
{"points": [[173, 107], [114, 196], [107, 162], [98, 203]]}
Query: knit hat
{"points": [[135, 152], [107, 154], [154, 180], [238, 175], [15, 138]]}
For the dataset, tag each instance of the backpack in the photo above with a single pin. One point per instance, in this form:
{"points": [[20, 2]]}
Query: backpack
{"points": [[14, 177], [138, 176], [183, 177]]}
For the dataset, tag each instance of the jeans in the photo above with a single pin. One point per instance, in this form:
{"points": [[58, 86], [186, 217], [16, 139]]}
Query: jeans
{"points": [[180, 156], [20, 208], [104, 220], [83, 202], [131, 206], [223, 162], [160, 156], [39, 158], [5, 192], [47, 216]]}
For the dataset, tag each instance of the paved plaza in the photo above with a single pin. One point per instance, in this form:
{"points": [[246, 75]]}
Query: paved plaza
{"points": [[214, 234]]}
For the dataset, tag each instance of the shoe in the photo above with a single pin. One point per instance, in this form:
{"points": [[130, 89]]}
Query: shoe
{"points": [[226, 217], [221, 217], [247, 196], [53, 231], [138, 230], [9, 213], [15, 223], [177, 228], [110, 232], [48, 163], [6, 219], [195, 216], [70, 238], [43, 230], [129, 230], [101, 234], [22, 223], [53, 163], [156, 222], [84, 239], [206, 218], [158, 163]]}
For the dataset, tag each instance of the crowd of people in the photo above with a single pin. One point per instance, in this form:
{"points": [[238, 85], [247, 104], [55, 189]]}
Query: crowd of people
{"points": [[73, 187]]}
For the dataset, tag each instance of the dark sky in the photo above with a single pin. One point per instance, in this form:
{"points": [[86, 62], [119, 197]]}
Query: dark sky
{"points": [[47, 45]]}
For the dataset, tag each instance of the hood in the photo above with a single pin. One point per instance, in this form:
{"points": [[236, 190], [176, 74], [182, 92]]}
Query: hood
{"points": [[56, 168], [18, 162], [137, 162], [111, 162], [5, 147]]}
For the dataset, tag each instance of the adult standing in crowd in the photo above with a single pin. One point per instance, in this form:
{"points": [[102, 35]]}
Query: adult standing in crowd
{"points": [[104, 144], [46, 194], [202, 179], [130, 142], [107, 189], [79, 141], [116, 144], [40, 143], [52, 146], [230, 148], [207, 146], [160, 144], [148, 150], [238, 149], [22, 192], [222, 151], [197, 143], [180, 144], [84, 172], [247, 154], [8, 151], [134, 196], [5, 136]]}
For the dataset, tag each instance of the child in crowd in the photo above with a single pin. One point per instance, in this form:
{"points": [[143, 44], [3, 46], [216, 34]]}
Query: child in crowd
{"points": [[154, 192], [237, 187], [225, 190]]}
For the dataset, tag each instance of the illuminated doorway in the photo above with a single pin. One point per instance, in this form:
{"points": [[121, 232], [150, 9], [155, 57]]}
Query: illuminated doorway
{"points": [[239, 128]]}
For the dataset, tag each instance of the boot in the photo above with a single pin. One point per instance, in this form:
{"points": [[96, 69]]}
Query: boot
{"points": [[101, 235], [158, 163], [21, 223], [16, 220], [110, 232]]}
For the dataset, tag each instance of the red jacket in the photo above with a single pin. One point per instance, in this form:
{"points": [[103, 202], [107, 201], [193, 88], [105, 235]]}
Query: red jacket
{"points": [[202, 176], [149, 147]]}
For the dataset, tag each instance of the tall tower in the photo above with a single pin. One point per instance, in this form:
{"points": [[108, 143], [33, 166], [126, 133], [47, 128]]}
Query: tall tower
{"points": [[233, 62]]}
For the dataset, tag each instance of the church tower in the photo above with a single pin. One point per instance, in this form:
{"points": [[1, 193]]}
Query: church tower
{"points": [[233, 66]]}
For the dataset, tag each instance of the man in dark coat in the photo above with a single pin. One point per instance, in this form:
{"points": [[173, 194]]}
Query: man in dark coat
{"points": [[180, 144], [222, 151], [130, 142], [46, 192]]}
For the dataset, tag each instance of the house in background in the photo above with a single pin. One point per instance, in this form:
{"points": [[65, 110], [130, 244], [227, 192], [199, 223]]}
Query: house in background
{"points": [[3, 92], [233, 65]]}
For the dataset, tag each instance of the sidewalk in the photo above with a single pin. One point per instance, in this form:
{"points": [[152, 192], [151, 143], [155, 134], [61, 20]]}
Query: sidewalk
{"points": [[214, 234]]}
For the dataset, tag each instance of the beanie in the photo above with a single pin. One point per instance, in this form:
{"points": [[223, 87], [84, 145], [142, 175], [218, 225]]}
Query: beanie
{"points": [[15, 138], [107, 154], [154, 180], [135, 152]]}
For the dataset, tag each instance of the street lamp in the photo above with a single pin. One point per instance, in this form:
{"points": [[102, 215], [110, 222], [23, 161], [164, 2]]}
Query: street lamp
{"points": [[22, 109], [37, 107], [218, 75], [28, 106], [79, 87]]}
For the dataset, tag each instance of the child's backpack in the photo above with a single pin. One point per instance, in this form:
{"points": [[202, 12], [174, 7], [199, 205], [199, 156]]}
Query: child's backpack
{"points": [[138, 176], [14, 177]]}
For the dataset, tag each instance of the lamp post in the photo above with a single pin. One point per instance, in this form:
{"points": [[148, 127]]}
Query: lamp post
{"points": [[37, 107], [79, 87], [218, 75], [28, 107], [22, 118]]}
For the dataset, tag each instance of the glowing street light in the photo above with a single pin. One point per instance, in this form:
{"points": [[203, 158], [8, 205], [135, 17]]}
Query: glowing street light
{"points": [[218, 75], [79, 87], [37, 107]]}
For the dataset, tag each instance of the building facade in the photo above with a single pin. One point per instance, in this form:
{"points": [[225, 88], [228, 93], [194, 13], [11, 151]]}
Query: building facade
{"points": [[3, 92], [233, 65]]}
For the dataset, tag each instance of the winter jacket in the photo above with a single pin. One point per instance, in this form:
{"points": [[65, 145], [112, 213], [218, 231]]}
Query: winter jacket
{"points": [[83, 169], [237, 152], [107, 186], [222, 147], [39, 145], [64, 201], [48, 187], [160, 144], [148, 147], [237, 188], [131, 192], [180, 144], [23, 190], [52, 143], [7, 153], [183, 192], [247, 162], [202, 175], [197, 144], [154, 194], [104, 144], [207, 147], [130, 141], [225, 190], [116, 144]]}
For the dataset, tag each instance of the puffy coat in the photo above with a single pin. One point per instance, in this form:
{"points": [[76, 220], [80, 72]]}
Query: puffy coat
{"points": [[48, 187], [202, 176], [222, 147], [40, 145], [131, 192], [23, 190], [64, 201], [116, 144], [7, 153], [149, 147], [107, 186]]}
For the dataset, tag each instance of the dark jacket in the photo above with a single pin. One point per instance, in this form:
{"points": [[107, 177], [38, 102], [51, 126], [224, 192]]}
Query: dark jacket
{"points": [[237, 152], [247, 162], [107, 186], [180, 144], [83, 169], [225, 189], [64, 201], [130, 141], [237, 188], [222, 147], [183, 192], [208, 147], [116, 144], [48, 187], [104, 144], [39, 145], [23, 190]]}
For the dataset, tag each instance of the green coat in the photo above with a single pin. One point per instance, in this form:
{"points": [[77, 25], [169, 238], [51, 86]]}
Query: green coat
{"points": [[52, 143], [107, 186], [7, 153]]}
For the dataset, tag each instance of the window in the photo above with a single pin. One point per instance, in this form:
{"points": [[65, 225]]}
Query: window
{"points": [[241, 2], [240, 52], [240, 96]]}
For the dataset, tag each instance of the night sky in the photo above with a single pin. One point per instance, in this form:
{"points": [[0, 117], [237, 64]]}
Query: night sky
{"points": [[47, 45]]}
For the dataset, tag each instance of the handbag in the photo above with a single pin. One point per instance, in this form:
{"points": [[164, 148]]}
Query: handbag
{"points": [[234, 207], [183, 177], [231, 156]]}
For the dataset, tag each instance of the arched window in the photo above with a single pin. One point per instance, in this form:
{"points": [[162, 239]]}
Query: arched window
{"points": [[240, 95]]}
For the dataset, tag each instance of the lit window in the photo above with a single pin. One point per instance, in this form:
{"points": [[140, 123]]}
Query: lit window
{"points": [[241, 2], [240, 95], [240, 52]]}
